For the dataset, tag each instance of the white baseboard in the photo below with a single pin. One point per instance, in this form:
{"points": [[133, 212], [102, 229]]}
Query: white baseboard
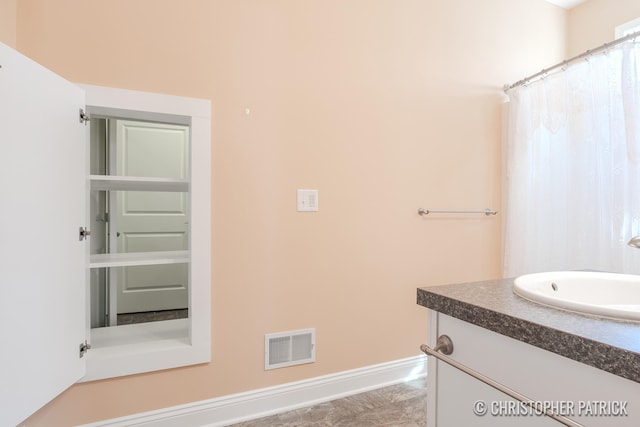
{"points": [[235, 408]]}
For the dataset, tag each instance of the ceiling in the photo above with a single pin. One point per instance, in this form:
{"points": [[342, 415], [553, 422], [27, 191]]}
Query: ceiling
{"points": [[567, 4]]}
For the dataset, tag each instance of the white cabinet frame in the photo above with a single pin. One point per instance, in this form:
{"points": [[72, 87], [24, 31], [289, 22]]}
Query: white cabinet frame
{"points": [[118, 351]]}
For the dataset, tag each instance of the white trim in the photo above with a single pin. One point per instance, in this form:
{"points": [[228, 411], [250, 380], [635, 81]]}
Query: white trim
{"points": [[259, 403], [627, 28], [566, 4]]}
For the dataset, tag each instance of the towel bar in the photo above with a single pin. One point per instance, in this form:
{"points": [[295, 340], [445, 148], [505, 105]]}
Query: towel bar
{"points": [[487, 212]]}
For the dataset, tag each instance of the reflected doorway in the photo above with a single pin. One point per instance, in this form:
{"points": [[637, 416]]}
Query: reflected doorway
{"points": [[134, 221]]}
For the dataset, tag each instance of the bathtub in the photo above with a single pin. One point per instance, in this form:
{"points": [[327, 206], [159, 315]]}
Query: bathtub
{"points": [[611, 295]]}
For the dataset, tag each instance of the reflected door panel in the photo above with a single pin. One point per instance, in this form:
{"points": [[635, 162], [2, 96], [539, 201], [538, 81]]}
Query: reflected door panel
{"points": [[151, 149], [152, 287], [149, 221]]}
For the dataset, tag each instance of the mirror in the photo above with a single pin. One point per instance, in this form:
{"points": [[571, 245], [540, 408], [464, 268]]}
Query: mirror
{"points": [[139, 212]]}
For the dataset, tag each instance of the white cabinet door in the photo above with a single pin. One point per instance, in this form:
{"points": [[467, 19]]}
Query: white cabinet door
{"points": [[464, 401], [542, 376], [42, 261]]}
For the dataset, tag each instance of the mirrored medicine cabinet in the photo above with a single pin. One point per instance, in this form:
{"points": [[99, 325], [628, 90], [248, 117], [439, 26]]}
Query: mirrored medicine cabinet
{"points": [[139, 213], [121, 204]]}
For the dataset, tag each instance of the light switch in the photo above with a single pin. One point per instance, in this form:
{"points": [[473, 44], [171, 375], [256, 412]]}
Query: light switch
{"points": [[307, 200]]}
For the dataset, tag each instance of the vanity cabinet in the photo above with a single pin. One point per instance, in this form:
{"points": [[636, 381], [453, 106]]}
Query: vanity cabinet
{"points": [[586, 395]]}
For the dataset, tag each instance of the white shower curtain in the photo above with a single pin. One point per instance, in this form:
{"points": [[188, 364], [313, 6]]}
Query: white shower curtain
{"points": [[573, 168]]}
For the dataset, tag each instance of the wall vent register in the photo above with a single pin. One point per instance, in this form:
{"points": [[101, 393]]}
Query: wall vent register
{"points": [[289, 348]]}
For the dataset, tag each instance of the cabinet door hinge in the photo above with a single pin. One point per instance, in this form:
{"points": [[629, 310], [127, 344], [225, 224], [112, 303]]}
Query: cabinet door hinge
{"points": [[83, 233], [84, 117], [84, 347]]}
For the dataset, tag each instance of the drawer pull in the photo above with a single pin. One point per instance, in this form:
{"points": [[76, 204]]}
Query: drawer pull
{"points": [[444, 344]]}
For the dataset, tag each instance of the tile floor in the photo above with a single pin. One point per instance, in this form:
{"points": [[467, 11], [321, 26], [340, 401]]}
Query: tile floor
{"points": [[398, 405]]}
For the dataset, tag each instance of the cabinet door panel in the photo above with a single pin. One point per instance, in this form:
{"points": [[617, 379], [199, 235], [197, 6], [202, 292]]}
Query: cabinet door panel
{"points": [[43, 262], [148, 221], [465, 401]]}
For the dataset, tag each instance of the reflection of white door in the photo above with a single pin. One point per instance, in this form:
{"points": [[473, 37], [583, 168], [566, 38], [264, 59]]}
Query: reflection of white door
{"points": [[149, 221]]}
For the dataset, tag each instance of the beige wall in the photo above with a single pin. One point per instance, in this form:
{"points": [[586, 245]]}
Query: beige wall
{"points": [[385, 106], [8, 15], [593, 23]]}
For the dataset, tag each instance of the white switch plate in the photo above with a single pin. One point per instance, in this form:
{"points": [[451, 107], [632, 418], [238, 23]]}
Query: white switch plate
{"points": [[307, 200]]}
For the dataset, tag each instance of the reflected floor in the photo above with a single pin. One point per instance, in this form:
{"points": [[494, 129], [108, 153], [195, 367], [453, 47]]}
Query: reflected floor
{"points": [[402, 404], [152, 316]]}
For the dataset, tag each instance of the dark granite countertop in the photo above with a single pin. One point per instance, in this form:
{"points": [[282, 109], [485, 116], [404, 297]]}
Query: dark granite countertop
{"points": [[610, 345]]}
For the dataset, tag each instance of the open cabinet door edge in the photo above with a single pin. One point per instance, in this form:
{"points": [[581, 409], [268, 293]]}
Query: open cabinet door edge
{"points": [[43, 268]]}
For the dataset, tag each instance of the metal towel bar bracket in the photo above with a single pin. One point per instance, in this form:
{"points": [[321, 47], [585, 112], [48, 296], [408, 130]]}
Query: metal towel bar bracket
{"points": [[446, 345], [487, 212]]}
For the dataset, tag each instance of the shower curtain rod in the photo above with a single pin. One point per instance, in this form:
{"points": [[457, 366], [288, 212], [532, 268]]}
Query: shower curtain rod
{"points": [[566, 62]]}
